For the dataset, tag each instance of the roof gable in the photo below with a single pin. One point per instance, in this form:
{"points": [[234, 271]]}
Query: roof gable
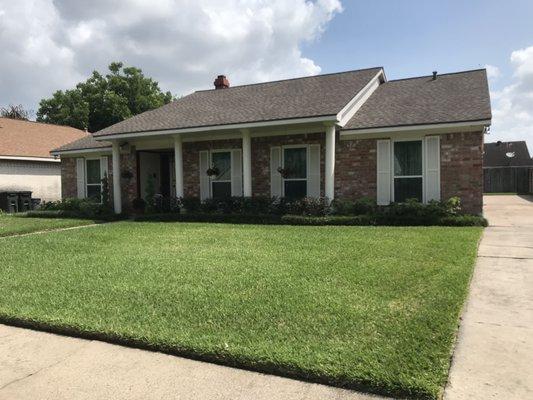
{"points": [[315, 96], [455, 97]]}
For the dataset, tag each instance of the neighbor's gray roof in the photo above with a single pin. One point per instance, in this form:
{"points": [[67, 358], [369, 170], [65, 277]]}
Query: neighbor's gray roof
{"points": [[494, 154], [321, 95], [87, 142], [455, 97]]}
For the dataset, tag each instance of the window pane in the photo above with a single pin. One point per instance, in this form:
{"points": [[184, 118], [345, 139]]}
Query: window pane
{"points": [[221, 190], [407, 188], [94, 192], [408, 158], [222, 161], [93, 171], [295, 162], [295, 189]]}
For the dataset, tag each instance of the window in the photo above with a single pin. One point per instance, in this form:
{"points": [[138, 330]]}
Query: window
{"points": [[295, 172], [408, 170], [93, 179], [221, 183]]}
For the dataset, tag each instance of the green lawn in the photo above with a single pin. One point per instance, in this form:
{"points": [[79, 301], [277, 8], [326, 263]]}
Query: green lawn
{"points": [[362, 307], [16, 224]]}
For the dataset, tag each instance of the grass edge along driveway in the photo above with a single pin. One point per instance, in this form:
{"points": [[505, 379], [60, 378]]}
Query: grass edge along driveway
{"points": [[372, 308]]}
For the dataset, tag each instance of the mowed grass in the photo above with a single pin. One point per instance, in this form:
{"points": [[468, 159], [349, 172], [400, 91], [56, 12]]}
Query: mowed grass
{"points": [[16, 224], [374, 308]]}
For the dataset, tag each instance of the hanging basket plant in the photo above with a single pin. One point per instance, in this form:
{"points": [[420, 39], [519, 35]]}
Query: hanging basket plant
{"points": [[126, 175], [213, 171], [284, 172]]}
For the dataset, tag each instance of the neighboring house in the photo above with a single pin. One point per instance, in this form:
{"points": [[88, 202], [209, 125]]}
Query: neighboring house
{"points": [[507, 167], [25, 160], [341, 135]]}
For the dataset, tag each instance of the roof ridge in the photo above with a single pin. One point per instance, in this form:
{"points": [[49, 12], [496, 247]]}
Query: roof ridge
{"points": [[293, 79], [41, 123], [431, 76]]}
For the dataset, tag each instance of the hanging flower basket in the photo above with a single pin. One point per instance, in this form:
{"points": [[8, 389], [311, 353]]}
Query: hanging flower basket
{"points": [[213, 171], [284, 172], [126, 174]]}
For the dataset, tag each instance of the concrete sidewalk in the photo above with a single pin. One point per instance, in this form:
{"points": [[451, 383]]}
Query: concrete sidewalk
{"points": [[494, 354]]}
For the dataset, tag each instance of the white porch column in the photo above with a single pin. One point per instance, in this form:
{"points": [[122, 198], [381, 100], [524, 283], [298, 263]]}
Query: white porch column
{"points": [[117, 199], [178, 164], [246, 163], [329, 179]]}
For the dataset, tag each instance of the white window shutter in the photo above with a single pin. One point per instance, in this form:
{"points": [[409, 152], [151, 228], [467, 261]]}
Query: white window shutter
{"points": [[80, 177], [103, 168], [313, 175], [275, 176], [432, 177], [383, 172], [236, 173], [204, 178]]}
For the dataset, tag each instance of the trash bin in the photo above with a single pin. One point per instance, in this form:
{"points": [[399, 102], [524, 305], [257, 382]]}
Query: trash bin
{"points": [[24, 201], [35, 203], [9, 202]]}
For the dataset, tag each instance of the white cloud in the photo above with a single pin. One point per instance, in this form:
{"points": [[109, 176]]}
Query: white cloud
{"points": [[513, 105], [493, 72], [49, 45]]}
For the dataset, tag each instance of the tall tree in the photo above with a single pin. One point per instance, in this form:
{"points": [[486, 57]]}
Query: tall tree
{"points": [[102, 101], [15, 112]]}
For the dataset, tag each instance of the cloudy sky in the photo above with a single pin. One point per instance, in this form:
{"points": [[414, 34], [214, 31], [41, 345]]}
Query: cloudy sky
{"points": [[52, 44]]}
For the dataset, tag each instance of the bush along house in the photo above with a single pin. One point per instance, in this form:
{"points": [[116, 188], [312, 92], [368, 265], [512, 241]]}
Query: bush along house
{"points": [[344, 135]]}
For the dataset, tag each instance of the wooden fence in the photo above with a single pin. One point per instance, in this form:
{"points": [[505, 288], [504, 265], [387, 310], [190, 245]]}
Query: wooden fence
{"points": [[508, 180]]}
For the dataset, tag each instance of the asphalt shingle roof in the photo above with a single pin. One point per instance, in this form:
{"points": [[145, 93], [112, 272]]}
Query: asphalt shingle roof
{"points": [[314, 96], [86, 142], [494, 154], [33, 139], [456, 97]]}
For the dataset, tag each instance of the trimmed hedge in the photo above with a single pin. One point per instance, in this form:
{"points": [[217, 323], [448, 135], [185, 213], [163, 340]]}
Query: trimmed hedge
{"points": [[357, 220], [73, 214]]}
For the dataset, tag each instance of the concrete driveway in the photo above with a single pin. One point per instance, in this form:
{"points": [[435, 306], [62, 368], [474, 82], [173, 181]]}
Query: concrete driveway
{"points": [[494, 354]]}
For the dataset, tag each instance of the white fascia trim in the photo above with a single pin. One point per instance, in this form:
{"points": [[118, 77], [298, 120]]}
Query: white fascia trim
{"points": [[427, 127], [359, 99], [103, 150], [331, 118], [17, 158]]}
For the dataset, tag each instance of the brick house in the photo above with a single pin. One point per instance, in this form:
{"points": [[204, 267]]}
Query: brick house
{"points": [[342, 135]]}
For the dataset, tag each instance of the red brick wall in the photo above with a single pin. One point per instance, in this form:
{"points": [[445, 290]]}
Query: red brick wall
{"points": [[355, 168], [461, 169], [69, 185]]}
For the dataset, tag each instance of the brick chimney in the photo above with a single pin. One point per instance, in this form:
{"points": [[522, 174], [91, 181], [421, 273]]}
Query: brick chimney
{"points": [[221, 82]]}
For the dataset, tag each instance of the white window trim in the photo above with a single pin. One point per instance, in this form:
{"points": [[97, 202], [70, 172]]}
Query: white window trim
{"points": [[93, 184], [306, 179], [211, 180], [394, 176]]}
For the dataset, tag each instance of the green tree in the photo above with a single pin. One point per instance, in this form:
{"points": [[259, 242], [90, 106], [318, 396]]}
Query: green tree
{"points": [[102, 101]]}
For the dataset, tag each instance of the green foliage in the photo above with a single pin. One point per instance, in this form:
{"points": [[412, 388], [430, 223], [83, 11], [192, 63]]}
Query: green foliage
{"points": [[374, 308], [76, 208], [106, 196], [150, 194], [102, 101]]}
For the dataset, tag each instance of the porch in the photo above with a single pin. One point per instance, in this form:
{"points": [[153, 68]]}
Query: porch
{"points": [[244, 164]]}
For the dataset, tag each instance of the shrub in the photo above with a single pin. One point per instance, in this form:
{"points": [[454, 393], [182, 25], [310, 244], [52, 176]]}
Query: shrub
{"points": [[138, 205], [191, 204], [464, 220], [360, 220], [82, 208]]}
